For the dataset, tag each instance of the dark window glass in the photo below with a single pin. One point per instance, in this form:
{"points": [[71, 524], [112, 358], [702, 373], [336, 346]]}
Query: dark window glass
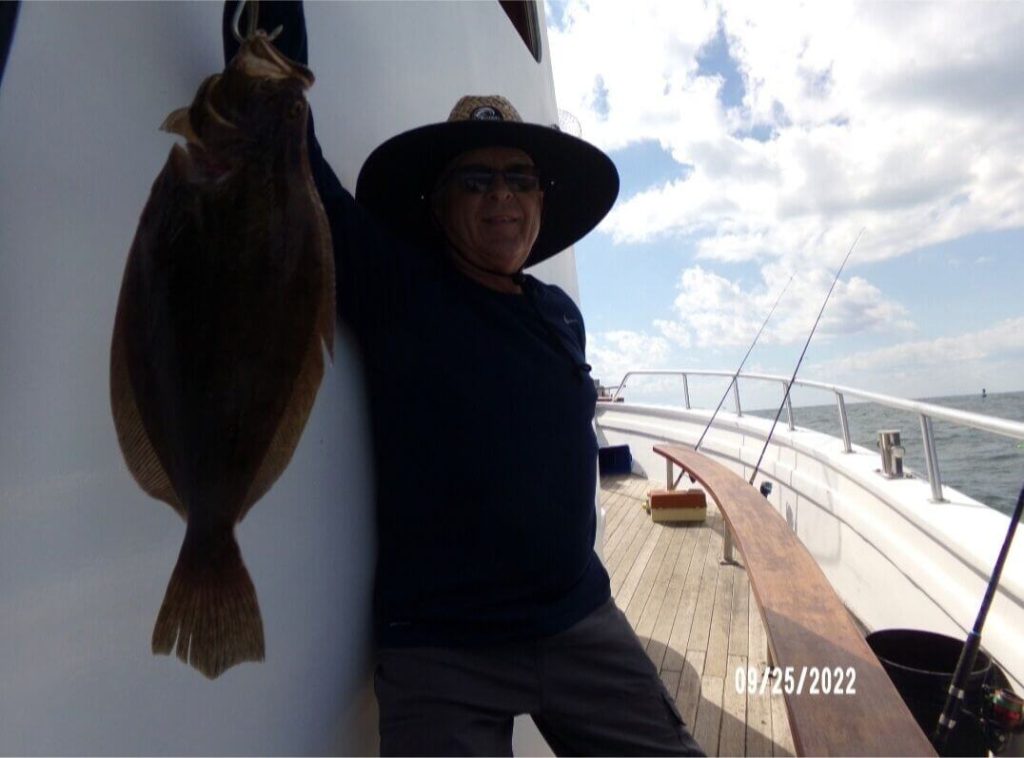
{"points": [[523, 14], [8, 16]]}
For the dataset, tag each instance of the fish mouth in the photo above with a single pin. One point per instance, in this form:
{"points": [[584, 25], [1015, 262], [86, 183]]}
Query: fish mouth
{"points": [[259, 58], [179, 121]]}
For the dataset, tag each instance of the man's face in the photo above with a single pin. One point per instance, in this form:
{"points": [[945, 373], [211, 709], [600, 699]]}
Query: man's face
{"points": [[491, 223]]}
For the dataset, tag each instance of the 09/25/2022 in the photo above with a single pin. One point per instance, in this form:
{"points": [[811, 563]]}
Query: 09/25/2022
{"points": [[791, 680]]}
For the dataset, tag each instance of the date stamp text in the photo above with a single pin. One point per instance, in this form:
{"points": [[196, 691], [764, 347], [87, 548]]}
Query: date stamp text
{"points": [[791, 680]]}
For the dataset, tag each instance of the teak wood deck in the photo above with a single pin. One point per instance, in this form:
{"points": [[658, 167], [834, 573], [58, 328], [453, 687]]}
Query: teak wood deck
{"points": [[702, 626], [697, 617]]}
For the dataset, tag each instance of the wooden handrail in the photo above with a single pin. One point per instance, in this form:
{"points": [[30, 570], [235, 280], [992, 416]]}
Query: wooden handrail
{"points": [[808, 628]]}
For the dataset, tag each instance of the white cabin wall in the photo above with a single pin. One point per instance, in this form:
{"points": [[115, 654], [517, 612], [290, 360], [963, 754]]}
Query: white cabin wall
{"points": [[84, 554]]}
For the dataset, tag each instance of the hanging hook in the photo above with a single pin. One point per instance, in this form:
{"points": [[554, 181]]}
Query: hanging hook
{"points": [[250, 22], [236, 19]]}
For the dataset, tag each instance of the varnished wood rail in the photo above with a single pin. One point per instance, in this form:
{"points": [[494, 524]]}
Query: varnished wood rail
{"points": [[809, 629]]}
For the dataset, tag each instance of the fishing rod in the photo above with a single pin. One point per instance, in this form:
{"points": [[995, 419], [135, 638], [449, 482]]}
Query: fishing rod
{"points": [[969, 653], [735, 377], [789, 386]]}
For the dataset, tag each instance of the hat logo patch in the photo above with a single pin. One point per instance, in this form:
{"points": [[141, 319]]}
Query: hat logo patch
{"points": [[486, 113]]}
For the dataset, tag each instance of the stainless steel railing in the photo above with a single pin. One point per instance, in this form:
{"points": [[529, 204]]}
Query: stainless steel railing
{"points": [[925, 411]]}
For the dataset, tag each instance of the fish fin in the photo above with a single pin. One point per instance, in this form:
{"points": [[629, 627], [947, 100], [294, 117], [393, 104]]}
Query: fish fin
{"points": [[328, 311], [139, 453], [307, 383], [210, 616], [289, 428], [178, 122]]}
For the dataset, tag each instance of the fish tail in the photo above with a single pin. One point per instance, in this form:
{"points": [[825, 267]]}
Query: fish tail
{"points": [[210, 615]]}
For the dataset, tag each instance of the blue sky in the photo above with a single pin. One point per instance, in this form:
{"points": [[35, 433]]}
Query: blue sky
{"points": [[754, 141]]}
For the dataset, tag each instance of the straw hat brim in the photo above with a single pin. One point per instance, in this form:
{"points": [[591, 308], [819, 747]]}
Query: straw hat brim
{"points": [[580, 182]]}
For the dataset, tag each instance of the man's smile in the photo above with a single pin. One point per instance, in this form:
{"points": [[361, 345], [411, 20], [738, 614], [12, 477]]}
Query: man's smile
{"points": [[501, 219]]}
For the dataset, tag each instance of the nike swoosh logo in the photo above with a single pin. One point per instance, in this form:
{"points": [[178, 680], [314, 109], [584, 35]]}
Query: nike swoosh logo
{"points": [[568, 320]]}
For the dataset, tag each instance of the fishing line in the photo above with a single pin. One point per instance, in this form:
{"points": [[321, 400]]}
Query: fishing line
{"points": [[789, 386], [735, 377]]}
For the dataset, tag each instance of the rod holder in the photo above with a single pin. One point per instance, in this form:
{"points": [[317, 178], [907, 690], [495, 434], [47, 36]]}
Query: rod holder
{"points": [[892, 453]]}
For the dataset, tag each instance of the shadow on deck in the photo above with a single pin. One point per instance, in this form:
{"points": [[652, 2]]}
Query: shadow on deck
{"points": [[698, 619]]}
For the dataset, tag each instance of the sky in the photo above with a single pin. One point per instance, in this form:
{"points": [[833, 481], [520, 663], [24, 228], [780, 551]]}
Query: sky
{"points": [[754, 141]]}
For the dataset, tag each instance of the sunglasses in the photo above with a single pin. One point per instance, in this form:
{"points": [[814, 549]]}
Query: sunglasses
{"points": [[475, 180]]}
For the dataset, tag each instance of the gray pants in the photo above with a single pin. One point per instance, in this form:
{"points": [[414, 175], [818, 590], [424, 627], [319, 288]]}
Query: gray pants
{"points": [[591, 690]]}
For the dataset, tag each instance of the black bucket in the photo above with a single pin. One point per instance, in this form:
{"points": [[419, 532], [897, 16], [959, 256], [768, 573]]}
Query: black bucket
{"points": [[921, 666]]}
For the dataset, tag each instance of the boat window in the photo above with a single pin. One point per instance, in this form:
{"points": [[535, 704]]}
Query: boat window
{"points": [[524, 17], [8, 17]]}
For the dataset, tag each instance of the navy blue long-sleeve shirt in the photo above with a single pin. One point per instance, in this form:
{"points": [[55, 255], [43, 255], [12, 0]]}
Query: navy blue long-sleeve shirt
{"points": [[481, 413]]}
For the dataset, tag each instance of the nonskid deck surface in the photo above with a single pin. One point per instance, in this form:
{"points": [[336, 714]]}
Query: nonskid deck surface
{"points": [[697, 618]]}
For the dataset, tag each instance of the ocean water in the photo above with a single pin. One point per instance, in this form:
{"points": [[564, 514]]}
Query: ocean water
{"points": [[988, 467]]}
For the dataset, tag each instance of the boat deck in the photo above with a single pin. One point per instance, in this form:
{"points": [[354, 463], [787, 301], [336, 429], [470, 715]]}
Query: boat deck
{"points": [[697, 618]]}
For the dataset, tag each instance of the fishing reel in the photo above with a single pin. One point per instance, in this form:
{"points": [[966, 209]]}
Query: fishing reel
{"points": [[996, 723], [1002, 719]]}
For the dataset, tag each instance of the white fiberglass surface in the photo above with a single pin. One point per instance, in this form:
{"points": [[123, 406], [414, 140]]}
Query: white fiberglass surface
{"points": [[85, 555]]}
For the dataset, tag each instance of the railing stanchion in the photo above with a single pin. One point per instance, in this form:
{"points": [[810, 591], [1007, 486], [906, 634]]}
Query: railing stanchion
{"points": [[931, 459], [621, 385], [844, 423], [736, 396], [789, 405], [686, 392]]}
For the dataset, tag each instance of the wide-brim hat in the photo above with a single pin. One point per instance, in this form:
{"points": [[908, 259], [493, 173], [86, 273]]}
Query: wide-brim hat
{"points": [[580, 182]]}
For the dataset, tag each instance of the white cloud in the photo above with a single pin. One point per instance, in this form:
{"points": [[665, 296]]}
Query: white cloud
{"points": [[917, 368], [1004, 340], [644, 54], [614, 353], [904, 118], [675, 332], [712, 311]]}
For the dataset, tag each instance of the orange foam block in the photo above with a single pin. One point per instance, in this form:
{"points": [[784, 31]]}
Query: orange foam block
{"points": [[678, 505]]}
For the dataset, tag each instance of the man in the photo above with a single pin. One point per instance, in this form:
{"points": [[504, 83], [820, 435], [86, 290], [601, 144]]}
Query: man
{"points": [[489, 600]]}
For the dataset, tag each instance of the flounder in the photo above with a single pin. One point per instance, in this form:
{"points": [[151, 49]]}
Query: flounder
{"points": [[226, 305]]}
